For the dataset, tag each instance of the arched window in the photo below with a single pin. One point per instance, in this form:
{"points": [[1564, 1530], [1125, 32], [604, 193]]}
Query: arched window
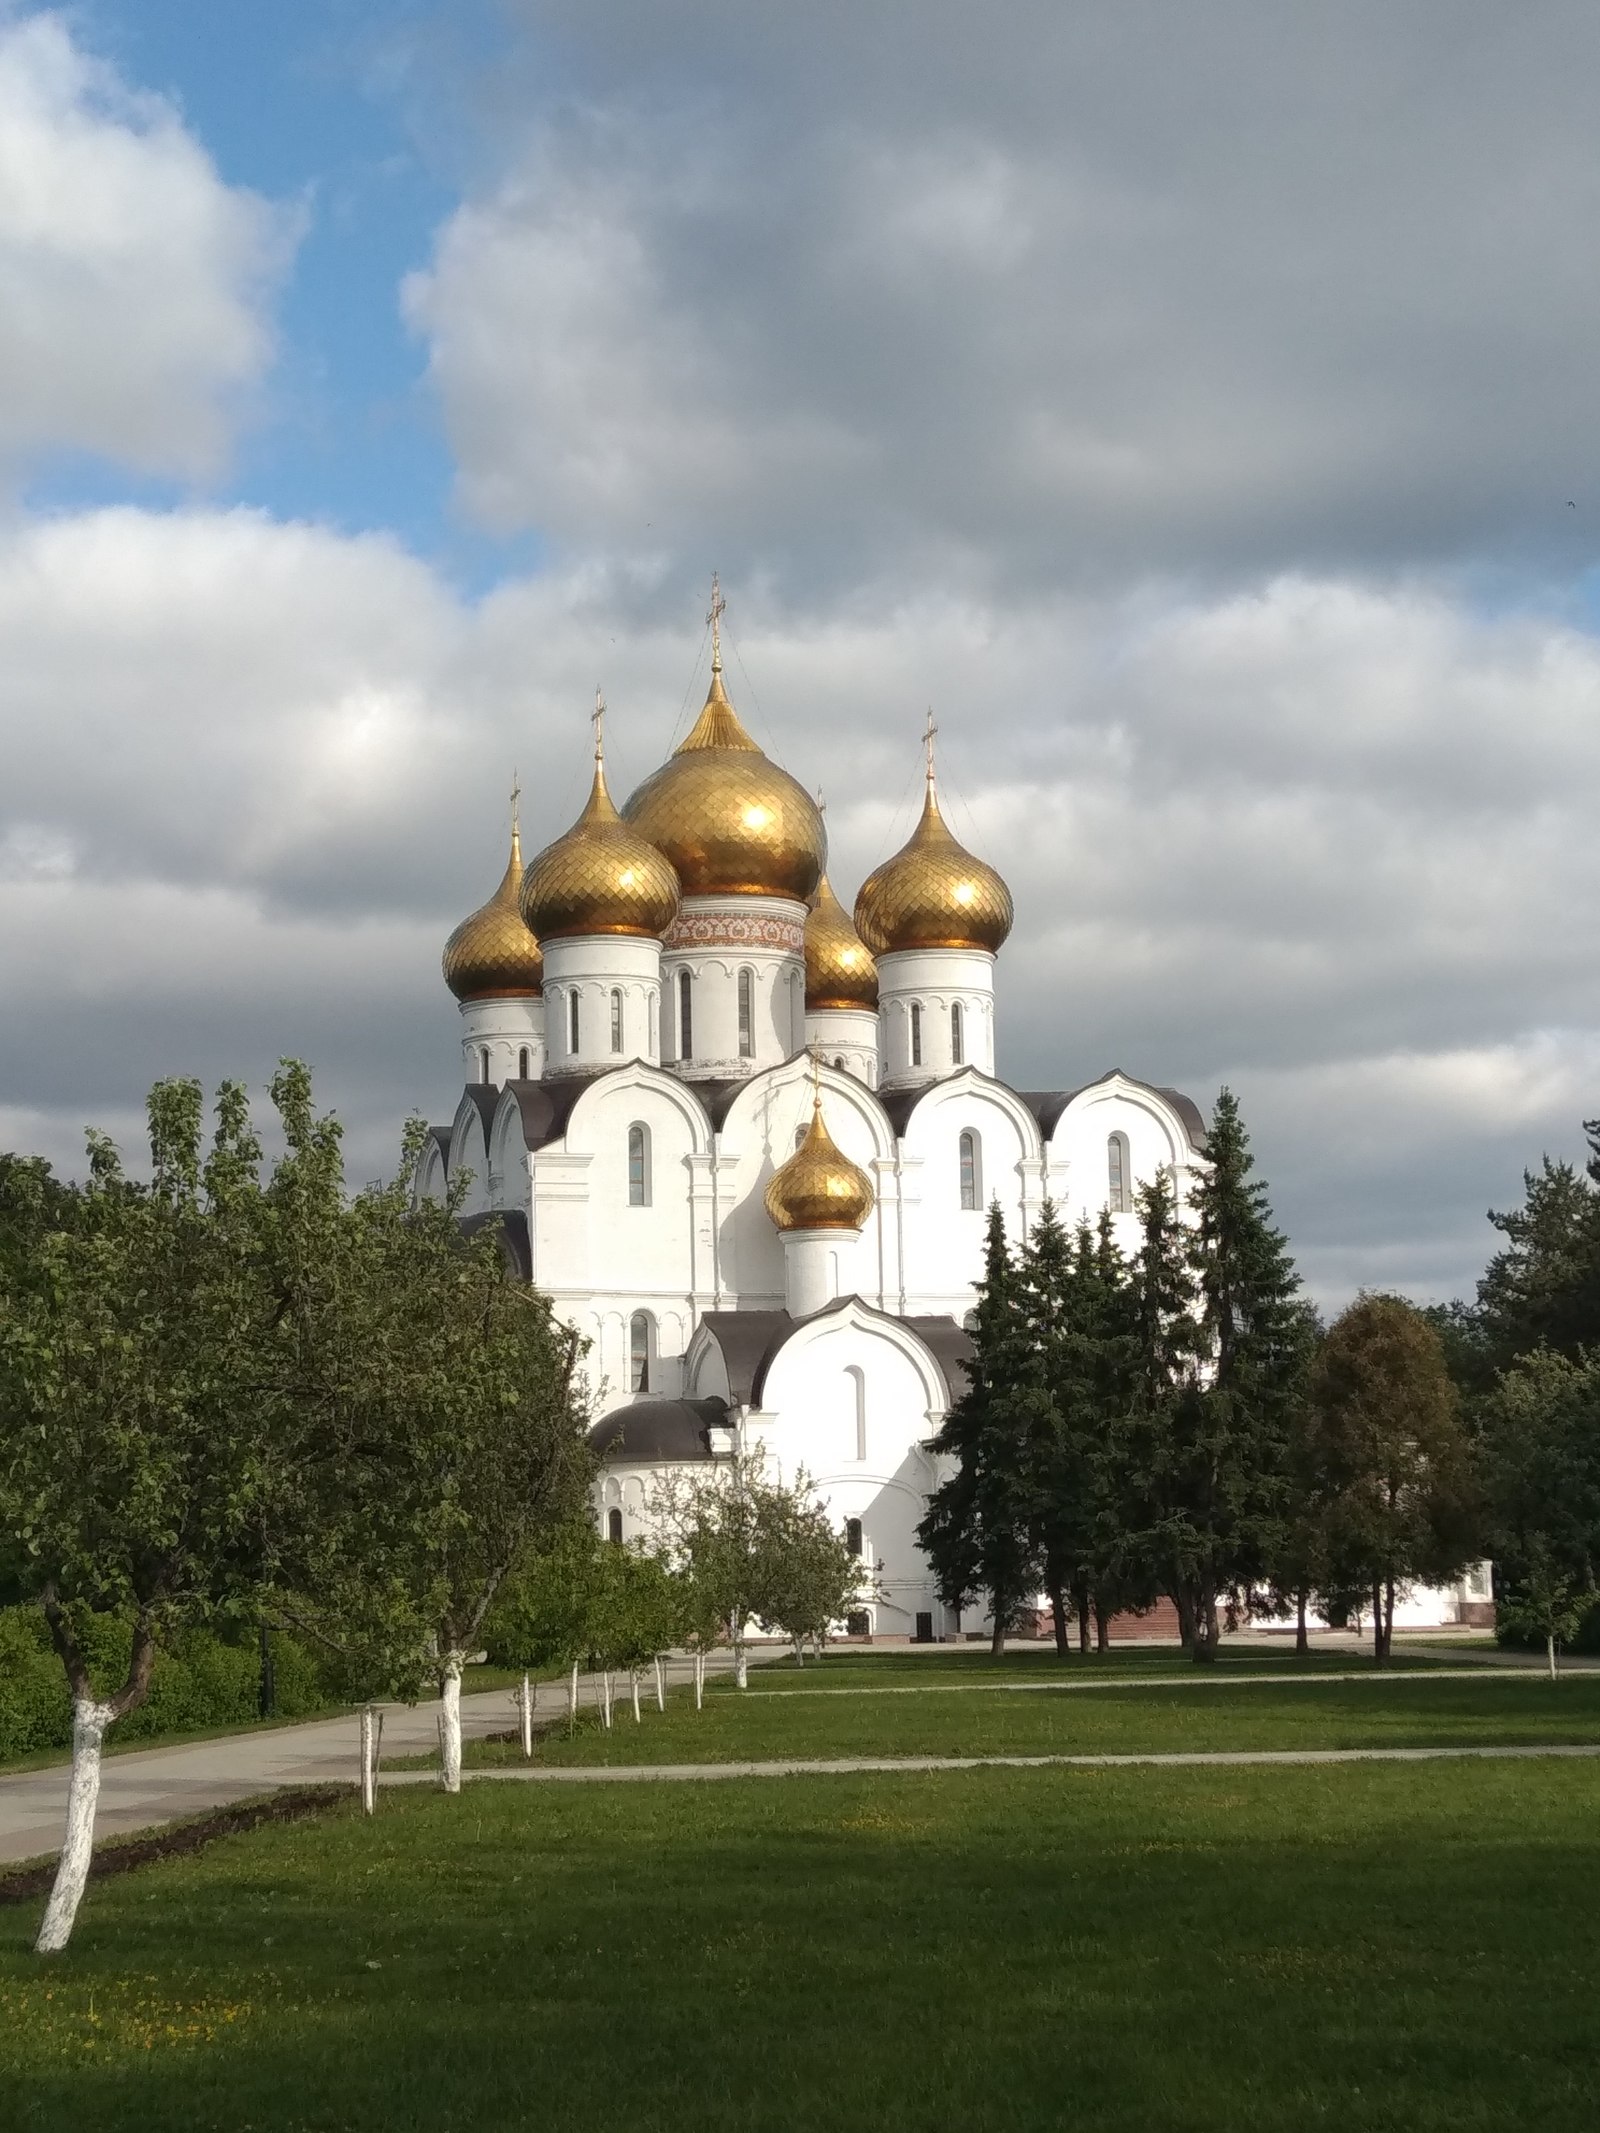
{"points": [[852, 1535], [616, 1018], [971, 1171], [522, 1064], [858, 1396], [747, 1014], [614, 1526], [958, 1041], [484, 1063], [1119, 1177], [574, 1024], [639, 1330], [685, 1017], [839, 1062], [916, 1033], [638, 1166]]}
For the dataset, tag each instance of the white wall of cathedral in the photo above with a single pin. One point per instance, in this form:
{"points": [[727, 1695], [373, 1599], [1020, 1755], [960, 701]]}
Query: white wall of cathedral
{"points": [[967, 1142], [733, 976], [1113, 1137], [762, 1128], [602, 1002], [502, 1040], [935, 1013], [847, 1037]]}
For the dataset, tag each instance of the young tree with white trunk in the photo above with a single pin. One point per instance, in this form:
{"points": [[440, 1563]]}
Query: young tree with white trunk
{"points": [[147, 1383]]}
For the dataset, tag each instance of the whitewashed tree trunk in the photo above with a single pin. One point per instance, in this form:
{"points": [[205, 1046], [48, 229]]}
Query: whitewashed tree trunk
{"points": [[572, 1697], [699, 1679], [89, 1723], [800, 1653], [369, 1772], [661, 1687], [1550, 1653], [633, 1683], [605, 1698], [741, 1670], [450, 1722], [527, 1718]]}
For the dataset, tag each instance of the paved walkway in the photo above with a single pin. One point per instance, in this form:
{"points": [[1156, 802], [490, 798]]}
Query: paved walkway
{"points": [[896, 1765], [146, 1786], [1199, 1677]]}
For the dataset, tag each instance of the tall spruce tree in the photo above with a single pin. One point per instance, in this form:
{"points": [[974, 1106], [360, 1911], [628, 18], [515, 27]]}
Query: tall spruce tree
{"points": [[978, 1532], [1156, 1455]]}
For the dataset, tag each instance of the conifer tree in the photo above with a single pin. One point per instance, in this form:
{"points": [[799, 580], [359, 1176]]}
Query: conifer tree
{"points": [[978, 1532]]}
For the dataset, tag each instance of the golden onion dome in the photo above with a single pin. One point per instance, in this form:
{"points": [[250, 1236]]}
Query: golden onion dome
{"points": [[492, 955], [731, 822], [601, 877], [819, 1187], [840, 971], [933, 894]]}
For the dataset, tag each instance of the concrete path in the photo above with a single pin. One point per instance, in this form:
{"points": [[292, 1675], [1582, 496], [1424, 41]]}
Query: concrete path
{"points": [[148, 1786], [898, 1765], [1198, 1678]]}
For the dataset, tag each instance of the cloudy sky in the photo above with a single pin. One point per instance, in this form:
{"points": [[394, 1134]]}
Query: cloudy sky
{"points": [[1199, 407]]}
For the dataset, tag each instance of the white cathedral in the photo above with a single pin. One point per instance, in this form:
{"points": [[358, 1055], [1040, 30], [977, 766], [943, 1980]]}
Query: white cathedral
{"points": [[746, 1146]]}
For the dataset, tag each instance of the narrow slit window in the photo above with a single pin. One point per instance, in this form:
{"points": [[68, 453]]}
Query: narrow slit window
{"points": [[574, 1022], [852, 1535], [747, 1014], [958, 1038], [1119, 1182], [485, 1063], [916, 1033], [614, 1526], [522, 1064], [638, 1166], [685, 1017], [639, 1352], [616, 1018], [971, 1172]]}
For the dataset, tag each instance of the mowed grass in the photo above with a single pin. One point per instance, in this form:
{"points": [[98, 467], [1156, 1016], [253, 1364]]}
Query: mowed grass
{"points": [[1263, 1705], [1360, 1947]]}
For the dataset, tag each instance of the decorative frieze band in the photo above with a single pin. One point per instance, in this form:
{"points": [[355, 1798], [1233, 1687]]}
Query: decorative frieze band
{"points": [[735, 929]]}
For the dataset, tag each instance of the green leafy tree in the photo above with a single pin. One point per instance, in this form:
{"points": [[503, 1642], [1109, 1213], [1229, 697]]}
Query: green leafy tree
{"points": [[813, 1580], [1538, 1446], [979, 1531], [1403, 1504], [147, 1384]]}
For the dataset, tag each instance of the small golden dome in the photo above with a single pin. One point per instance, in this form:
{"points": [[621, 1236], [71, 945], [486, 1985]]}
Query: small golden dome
{"points": [[492, 955], [819, 1187], [601, 877], [840, 971], [933, 894], [731, 822]]}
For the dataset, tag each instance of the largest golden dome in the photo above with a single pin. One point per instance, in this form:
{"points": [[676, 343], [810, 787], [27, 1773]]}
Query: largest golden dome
{"points": [[933, 894], [731, 822], [840, 971], [601, 877], [492, 955], [819, 1187]]}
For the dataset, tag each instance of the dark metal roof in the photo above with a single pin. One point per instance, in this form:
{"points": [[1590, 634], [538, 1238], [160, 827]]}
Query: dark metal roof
{"points": [[546, 1106], [664, 1430], [1047, 1105], [514, 1239], [441, 1137], [484, 1097]]}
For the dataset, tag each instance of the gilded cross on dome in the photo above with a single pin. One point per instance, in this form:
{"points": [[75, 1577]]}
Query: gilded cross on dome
{"points": [[714, 615], [928, 733], [597, 719], [516, 797]]}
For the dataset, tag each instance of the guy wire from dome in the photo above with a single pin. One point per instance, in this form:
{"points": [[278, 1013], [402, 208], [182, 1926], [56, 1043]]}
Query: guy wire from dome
{"points": [[731, 821], [933, 893], [602, 876], [493, 954], [819, 1187]]}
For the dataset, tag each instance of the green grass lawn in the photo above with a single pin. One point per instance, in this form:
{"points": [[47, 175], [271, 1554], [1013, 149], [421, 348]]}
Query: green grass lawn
{"points": [[1365, 1948], [1127, 1717]]}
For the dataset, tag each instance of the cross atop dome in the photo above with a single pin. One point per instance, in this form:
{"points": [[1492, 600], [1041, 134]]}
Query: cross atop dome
{"points": [[714, 615]]}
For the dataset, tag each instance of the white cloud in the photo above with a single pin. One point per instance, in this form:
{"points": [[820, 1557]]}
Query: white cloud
{"points": [[134, 283]]}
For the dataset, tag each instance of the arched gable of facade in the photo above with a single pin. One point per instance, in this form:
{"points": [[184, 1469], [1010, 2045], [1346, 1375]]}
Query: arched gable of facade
{"points": [[964, 1141], [433, 1178], [758, 1135], [1158, 1130], [469, 1144], [508, 1154], [589, 1122]]}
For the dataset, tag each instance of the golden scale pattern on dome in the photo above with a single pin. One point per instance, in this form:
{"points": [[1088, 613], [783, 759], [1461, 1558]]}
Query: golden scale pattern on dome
{"points": [[840, 971], [933, 893], [819, 1187], [731, 822], [602, 876], [492, 955]]}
